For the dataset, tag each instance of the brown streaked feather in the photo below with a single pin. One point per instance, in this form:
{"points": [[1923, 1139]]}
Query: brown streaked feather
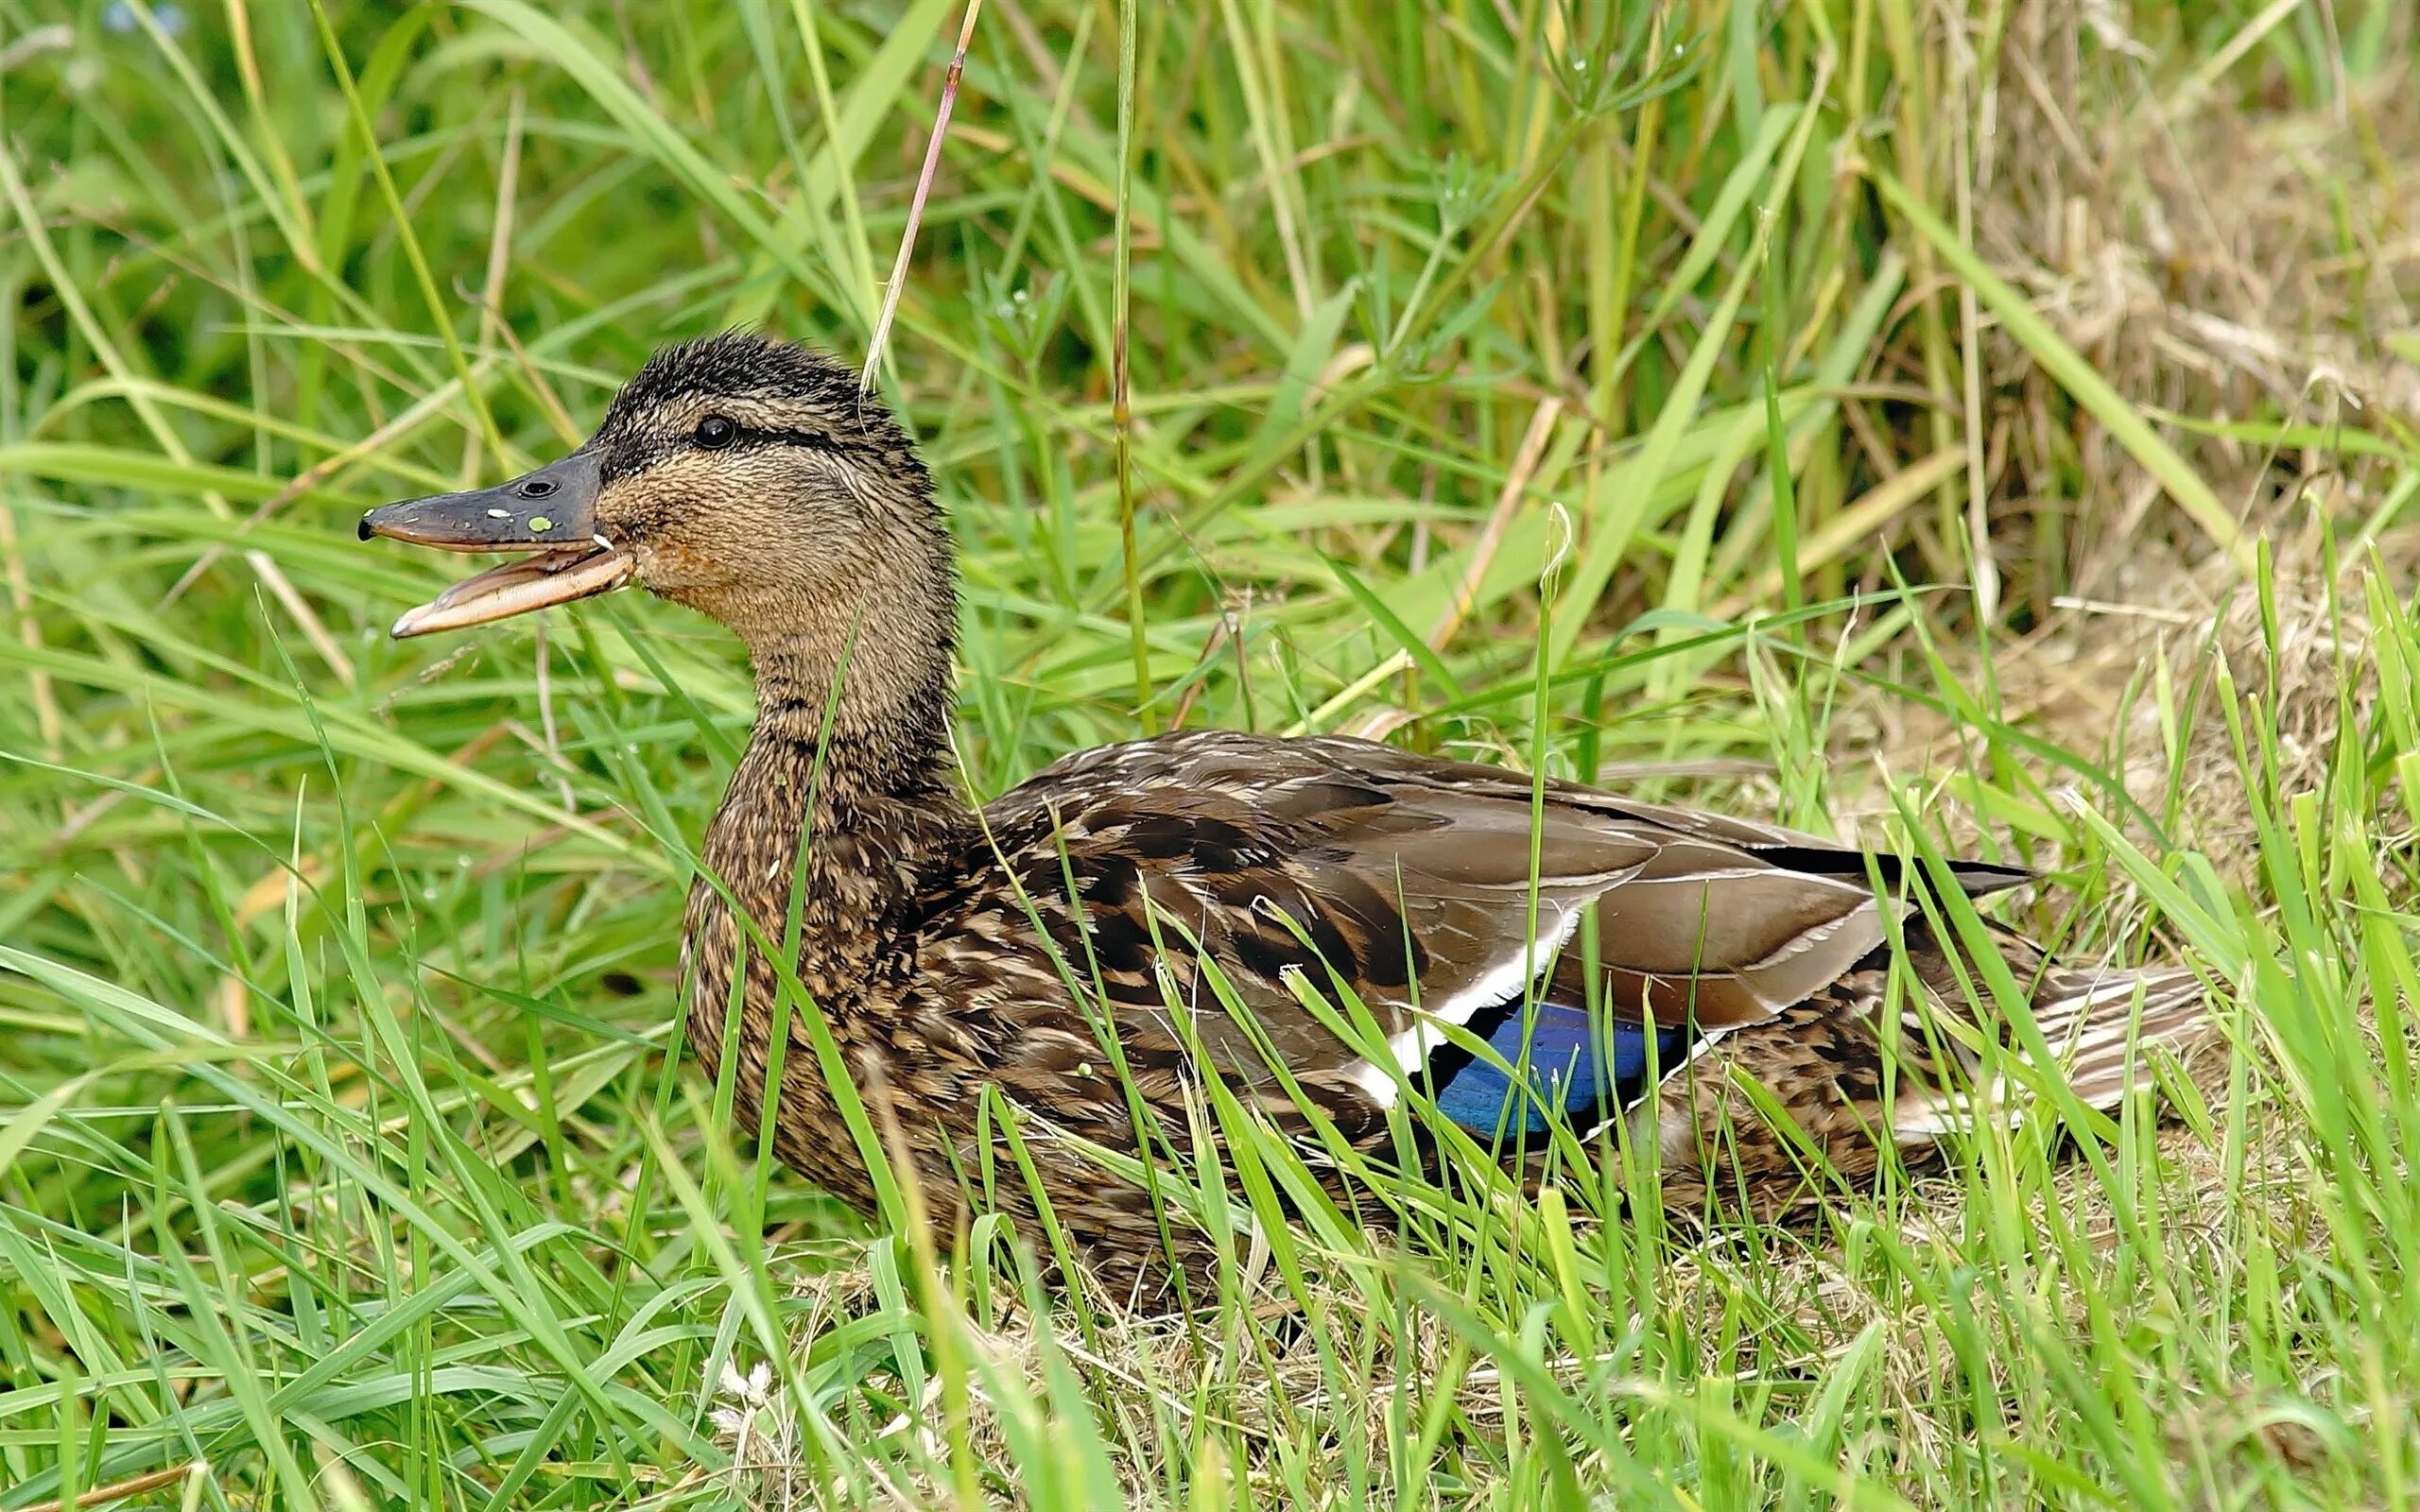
{"points": [[1409, 877]]}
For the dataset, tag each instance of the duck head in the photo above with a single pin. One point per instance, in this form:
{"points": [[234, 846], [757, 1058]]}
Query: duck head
{"points": [[744, 477]]}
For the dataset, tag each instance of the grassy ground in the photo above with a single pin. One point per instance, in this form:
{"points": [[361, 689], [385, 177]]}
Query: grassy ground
{"points": [[1990, 420]]}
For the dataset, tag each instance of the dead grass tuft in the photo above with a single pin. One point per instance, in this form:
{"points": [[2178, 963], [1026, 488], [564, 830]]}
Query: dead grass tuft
{"points": [[2130, 681], [2240, 263], [2213, 259]]}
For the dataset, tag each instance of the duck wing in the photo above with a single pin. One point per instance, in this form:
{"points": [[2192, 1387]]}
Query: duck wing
{"points": [[1410, 878]]}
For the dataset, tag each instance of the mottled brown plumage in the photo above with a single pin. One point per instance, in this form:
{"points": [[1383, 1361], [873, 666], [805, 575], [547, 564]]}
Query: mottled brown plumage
{"points": [[1675, 955]]}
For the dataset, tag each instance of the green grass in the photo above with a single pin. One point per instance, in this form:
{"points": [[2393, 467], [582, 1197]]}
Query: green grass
{"points": [[1621, 417]]}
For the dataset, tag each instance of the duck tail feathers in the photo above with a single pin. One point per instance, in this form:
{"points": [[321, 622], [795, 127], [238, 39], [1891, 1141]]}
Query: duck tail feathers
{"points": [[2105, 1027]]}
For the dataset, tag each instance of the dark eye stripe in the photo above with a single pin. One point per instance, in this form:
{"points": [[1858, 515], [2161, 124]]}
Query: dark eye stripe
{"points": [[621, 462], [810, 441]]}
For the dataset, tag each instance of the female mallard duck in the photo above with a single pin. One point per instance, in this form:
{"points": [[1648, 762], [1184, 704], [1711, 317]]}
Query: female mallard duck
{"points": [[950, 946]]}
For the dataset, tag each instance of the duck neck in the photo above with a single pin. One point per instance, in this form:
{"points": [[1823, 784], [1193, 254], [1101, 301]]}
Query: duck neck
{"points": [[872, 733], [846, 801]]}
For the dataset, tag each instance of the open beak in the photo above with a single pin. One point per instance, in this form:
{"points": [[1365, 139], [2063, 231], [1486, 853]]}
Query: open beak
{"points": [[550, 514]]}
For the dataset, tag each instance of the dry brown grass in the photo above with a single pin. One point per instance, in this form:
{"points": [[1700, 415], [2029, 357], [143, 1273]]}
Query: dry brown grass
{"points": [[2210, 257]]}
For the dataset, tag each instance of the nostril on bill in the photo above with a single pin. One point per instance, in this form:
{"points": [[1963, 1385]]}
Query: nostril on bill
{"points": [[537, 487]]}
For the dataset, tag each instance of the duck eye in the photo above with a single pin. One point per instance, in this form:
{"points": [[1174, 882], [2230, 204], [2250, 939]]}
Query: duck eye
{"points": [[714, 433]]}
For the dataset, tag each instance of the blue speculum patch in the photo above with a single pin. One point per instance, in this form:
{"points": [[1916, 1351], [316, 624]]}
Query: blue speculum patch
{"points": [[1586, 1066]]}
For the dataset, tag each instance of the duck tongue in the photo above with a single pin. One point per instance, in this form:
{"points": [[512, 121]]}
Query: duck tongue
{"points": [[550, 513]]}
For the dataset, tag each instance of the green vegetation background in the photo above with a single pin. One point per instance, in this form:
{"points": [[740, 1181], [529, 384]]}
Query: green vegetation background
{"points": [[1756, 404]]}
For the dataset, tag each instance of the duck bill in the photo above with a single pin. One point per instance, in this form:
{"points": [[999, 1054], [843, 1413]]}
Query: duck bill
{"points": [[549, 514]]}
